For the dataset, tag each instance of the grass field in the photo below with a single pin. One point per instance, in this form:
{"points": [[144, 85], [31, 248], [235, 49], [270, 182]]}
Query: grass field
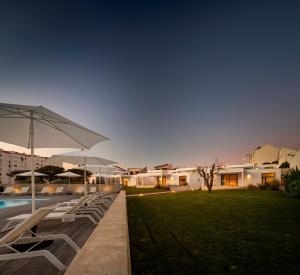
{"points": [[226, 232], [134, 190]]}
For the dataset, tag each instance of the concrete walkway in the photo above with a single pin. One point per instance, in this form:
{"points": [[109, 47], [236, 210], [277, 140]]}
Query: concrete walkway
{"points": [[107, 249]]}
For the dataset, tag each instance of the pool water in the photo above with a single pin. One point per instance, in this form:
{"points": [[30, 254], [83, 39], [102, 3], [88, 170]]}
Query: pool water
{"points": [[15, 202]]}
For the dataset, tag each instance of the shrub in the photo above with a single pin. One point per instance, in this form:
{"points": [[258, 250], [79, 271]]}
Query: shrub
{"points": [[262, 186], [269, 186], [292, 186], [274, 185], [251, 187], [158, 186], [293, 175]]}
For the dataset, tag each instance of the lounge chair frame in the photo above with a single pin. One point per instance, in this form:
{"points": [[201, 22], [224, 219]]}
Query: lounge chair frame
{"points": [[37, 239]]}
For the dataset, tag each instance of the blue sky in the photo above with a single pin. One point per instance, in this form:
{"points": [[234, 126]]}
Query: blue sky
{"points": [[184, 82]]}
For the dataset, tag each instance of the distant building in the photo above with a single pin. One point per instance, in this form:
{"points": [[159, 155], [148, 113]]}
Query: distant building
{"points": [[134, 171], [269, 154], [13, 161], [166, 166]]}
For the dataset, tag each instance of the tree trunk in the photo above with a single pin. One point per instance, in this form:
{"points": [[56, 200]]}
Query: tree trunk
{"points": [[209, 187]]}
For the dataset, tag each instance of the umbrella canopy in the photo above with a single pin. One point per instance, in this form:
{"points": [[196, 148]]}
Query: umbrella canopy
{"points": [[68, 174], [99, 168], [28, 174], [51, 130], [81, 158], [84, 158], [38, 127]]}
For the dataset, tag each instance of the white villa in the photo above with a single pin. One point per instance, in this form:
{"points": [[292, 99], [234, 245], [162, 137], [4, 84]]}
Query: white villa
{"points": [[230, 176]]}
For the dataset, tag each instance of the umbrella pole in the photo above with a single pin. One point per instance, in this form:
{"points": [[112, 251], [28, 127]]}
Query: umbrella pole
{"points": [[85, 176], [31, 136], [69, 184], [100, 180]]}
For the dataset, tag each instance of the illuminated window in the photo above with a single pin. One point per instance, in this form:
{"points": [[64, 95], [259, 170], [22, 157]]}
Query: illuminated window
{"points": [[229, 179], [267, 177]]}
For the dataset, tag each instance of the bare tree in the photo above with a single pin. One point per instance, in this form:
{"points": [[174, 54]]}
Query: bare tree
{"points": [[208, 174]]}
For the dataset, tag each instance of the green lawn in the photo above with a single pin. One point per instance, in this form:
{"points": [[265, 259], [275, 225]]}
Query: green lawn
{"points": [[226, 232], [134, 190]]}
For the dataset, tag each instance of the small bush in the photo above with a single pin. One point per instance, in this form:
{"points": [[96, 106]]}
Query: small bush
{"points": [[158, 186], [292, 185], [251, 187], [274, 185], [262, 186], [292, 188], [269, 186], [293, 174]]}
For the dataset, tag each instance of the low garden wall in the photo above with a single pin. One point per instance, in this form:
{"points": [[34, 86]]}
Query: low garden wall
{"points": [[179, 188]]}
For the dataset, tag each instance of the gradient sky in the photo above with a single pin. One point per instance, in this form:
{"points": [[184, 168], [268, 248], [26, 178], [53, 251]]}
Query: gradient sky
{"points": [[184, 82]]}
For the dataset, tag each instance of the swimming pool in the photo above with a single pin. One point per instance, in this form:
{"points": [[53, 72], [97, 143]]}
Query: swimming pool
{"points": [[15, 202]]}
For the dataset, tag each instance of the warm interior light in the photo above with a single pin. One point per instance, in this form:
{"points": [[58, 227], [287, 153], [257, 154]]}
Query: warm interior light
{"points": [[248, 176], [17, 189]]}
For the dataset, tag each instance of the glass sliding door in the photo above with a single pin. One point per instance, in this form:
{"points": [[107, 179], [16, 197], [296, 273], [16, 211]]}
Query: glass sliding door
{"points": [[267, 178], [229, 179]]}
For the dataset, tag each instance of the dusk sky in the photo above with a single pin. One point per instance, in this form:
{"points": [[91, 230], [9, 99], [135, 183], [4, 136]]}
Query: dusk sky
{"points": [[182, 82]]}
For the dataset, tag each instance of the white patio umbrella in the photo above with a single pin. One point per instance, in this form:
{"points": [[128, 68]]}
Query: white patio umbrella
{"points": [[68, 175], [37, 127], [28, 174], [84, 158]]}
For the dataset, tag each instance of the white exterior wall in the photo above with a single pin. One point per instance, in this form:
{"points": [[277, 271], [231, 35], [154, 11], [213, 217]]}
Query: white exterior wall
{"points": [[295, 161], [195, 180], [265, 154], [131, 181], [286, 154], [254, 176]]}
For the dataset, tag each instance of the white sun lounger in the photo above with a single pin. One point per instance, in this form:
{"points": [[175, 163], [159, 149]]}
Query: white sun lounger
{"points": [[24, 191], [8, 191], [84, 207], [93, 190], [69, 215], [97, 200], [44, 191], [16, 235], [59, 190]]}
